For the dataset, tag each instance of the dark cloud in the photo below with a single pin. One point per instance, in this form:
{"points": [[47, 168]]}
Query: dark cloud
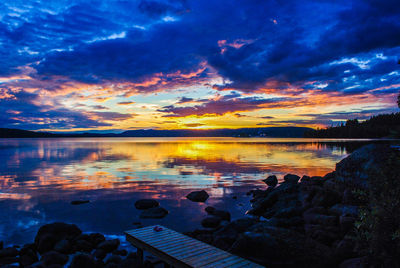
{"points": [[350, 47], [221, 105], [185, 100], [126, 102], [23, 112]]}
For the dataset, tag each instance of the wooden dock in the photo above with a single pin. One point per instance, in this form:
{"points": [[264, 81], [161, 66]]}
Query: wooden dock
{"points": [[179, 250]]}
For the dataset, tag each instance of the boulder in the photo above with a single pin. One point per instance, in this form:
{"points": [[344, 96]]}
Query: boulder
{"points": [[63, 246], [28, 255], [83, 245], [109, 245], [120, 252], [224, 215], [211, 222], [27, 260], [54, 257], [146, 203], [256, 245], [289, 212], [271, 181], [354, 263], [355, 169], [129, 263], [114, 259], [83, 260], [49, 234], [154, 213], [210, 209], [345, 249], [96, 238], [320, 216], [100, 254], [291, 178], [326, 198], [344, 210], [346, 223], [198, 196], [280, 247], [323, 234], [9, 252], [260, 206]]}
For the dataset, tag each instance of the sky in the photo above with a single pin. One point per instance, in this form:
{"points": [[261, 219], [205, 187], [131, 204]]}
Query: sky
{"points": [[79, 65]]}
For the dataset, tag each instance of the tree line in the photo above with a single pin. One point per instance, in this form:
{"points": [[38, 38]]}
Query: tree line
{"points": [[379, 126]]}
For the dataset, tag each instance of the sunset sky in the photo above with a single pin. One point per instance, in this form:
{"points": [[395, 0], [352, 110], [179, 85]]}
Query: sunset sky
{"points": [[71, 65]]}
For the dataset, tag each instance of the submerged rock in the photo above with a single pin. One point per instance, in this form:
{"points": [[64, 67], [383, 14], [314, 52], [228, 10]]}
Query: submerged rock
{"points": [[154, 213], [146, 203], [79, 202], [211, 222], [49, 234], [83, 260], [222, 214], [198, 196], [109, 245], [54, 257]]}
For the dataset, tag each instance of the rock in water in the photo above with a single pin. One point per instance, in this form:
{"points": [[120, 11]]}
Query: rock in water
{"points": [[271, 181], [198, 196], [154, 213], [211, 222], [79, 202], [49, 234], [54, 257], [83, 260], [291, 178], [146, 204], [210, 210], [109, 245]]}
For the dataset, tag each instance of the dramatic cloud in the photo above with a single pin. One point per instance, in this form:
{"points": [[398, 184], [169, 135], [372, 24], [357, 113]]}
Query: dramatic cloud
{"points": [[220, 105], [60, 60]]}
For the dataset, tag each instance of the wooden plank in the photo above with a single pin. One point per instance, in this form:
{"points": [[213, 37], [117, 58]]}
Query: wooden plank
{"points": [[184, 248], [170, 248], [159, 238], [182, 251], [182, 254], [220, 262], [212, 257], [225, 262], [167, 244], [187, 257], [161, 255]]}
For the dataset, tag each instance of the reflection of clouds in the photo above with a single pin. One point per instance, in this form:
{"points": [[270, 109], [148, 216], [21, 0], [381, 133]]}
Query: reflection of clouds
{"points": [[15, 196], [151, 165]]}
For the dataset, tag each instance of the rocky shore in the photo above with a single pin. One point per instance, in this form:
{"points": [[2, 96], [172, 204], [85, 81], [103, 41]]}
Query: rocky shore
{"points": [[300, 222], [61, 244], [311, 221]]}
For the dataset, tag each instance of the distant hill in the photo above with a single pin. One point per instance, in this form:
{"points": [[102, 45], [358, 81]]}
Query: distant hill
{"points": [[379, 126], [19, 133], [282, 132], [289, 132]]}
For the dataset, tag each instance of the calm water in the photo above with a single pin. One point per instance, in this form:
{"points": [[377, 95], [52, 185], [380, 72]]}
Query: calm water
{"points": [[39, 178]]}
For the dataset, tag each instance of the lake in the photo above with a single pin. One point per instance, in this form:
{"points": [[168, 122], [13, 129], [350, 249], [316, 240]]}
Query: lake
{"points": [[40, 177]]}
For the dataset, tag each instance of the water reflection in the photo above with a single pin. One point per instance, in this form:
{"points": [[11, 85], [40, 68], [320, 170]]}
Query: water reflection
{"points": [[38, 178]]}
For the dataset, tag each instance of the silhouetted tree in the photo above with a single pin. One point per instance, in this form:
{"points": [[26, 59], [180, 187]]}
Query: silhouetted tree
{"points": [[398, 100]]}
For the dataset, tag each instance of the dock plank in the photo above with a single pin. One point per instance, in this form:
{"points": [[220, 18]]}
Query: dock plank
{"points": [[182, 251]]}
